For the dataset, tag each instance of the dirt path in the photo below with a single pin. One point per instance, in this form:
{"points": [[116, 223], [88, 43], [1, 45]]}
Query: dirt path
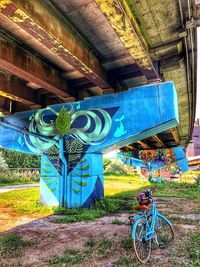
{"points": [[50, 238]]}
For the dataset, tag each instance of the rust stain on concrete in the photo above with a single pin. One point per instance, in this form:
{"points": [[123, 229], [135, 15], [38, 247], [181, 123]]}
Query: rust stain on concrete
{"points": [[30, 25], [123, 26]]}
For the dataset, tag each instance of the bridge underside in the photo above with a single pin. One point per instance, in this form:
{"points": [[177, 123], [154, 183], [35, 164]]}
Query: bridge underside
{"points": [[58, 51]]}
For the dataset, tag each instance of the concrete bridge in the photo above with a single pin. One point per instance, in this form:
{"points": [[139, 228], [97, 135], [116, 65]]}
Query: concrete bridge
{"points": [[59, 52]]}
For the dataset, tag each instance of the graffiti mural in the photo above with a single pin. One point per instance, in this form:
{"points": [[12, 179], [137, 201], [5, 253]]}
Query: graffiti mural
{"points": [[158, 164], [72, 164]]}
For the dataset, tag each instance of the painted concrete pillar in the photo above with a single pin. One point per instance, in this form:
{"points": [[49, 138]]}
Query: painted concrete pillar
{"points": [[82, 185], [51, 181], [157, 164], [85, 180]]}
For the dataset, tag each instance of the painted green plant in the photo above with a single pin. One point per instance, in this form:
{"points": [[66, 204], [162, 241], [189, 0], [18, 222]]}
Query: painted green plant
{"points": [[62, 123], [74, 149]]}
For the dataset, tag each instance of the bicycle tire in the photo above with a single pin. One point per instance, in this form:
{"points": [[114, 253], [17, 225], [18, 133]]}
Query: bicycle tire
{"points": [[164, 231], [141, 247]]}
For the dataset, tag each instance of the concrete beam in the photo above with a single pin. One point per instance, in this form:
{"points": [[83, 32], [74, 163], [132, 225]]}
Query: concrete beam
{"points": [[5, 106], [175, 135], [42, 26], [143, 144], [120, 17], [172, 63], [158, 140], [18, 61], [16, 90], [166, 50]]}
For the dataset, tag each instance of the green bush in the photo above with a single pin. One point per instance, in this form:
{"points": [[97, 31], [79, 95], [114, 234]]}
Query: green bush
{"points": [[116, 167], [15, 159], [3, 164], [11, 177], [106, 162]]}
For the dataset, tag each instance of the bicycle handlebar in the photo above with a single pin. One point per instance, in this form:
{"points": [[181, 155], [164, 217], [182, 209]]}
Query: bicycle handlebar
{"points": [[150, 191]]}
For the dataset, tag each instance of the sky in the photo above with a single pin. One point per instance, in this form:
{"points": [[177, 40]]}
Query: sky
{"points": [[198, 75]]}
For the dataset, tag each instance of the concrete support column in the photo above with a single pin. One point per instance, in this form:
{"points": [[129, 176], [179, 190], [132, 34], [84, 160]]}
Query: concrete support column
{"points": [[85, 180], [81, 187]]}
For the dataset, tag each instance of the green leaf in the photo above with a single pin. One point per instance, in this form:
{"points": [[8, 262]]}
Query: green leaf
{"points": [[86, 175], [76, 190], [62, 123], [48, 164], [45, 169], [81, 183]]}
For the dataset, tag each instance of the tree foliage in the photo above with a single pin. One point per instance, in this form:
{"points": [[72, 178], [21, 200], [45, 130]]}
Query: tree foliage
{"points": [[15, 159], [62, 122], [3, 164], [106, 162], [116, 166]]}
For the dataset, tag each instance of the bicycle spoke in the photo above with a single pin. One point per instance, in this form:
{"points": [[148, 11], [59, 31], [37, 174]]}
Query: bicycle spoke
{"points": [[142, 247], [164, 231]]}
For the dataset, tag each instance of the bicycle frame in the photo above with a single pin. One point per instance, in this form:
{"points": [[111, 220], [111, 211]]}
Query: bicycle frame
{"points": [[150, 227], [150, 231]]}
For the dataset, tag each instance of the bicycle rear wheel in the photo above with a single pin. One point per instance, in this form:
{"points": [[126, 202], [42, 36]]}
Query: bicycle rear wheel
{"points": [[164, 231], [141, 246]]}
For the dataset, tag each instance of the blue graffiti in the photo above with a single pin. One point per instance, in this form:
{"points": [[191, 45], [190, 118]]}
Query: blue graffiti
{"points": [[120, 131]]}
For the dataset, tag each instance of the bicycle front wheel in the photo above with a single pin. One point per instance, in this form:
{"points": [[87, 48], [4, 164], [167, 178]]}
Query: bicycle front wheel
{"points": [[142, 247], [164, 231]]}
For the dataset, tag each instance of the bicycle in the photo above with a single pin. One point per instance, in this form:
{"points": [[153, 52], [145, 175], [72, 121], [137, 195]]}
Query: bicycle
{"points": [[149, 225]]}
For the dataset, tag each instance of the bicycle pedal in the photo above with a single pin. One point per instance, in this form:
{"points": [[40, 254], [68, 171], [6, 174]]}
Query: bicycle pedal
{"points": [[161, 246]]}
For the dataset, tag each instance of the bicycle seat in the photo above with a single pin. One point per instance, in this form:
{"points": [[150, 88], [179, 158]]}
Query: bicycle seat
{"points": [[141, 207]]}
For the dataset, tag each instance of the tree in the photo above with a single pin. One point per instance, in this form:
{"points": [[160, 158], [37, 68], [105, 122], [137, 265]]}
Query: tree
{"points": [[106, 162], [116, 166], [15, 159], [3, 164]]}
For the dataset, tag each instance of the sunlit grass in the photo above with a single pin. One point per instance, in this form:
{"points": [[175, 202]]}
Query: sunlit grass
{"points": [[25, 201], [120, 193], [121, 184]]}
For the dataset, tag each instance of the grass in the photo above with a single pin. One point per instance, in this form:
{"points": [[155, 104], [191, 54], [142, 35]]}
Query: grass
{"points": [[98, 249], [71, 256], [83, 215], [25, 201], [126, 261], [127, 243], [192, 249], [181, 220], [11, 245], [101, 208], [117, 221], [188, 253], [120, 194]]}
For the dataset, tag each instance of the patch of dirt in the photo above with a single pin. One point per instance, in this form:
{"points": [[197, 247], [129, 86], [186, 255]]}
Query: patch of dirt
{"points": [[10, 219], [50, 238]]}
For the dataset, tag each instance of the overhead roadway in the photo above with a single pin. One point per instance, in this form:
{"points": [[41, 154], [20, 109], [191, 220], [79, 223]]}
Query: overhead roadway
{"points": [[56, 51]]}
